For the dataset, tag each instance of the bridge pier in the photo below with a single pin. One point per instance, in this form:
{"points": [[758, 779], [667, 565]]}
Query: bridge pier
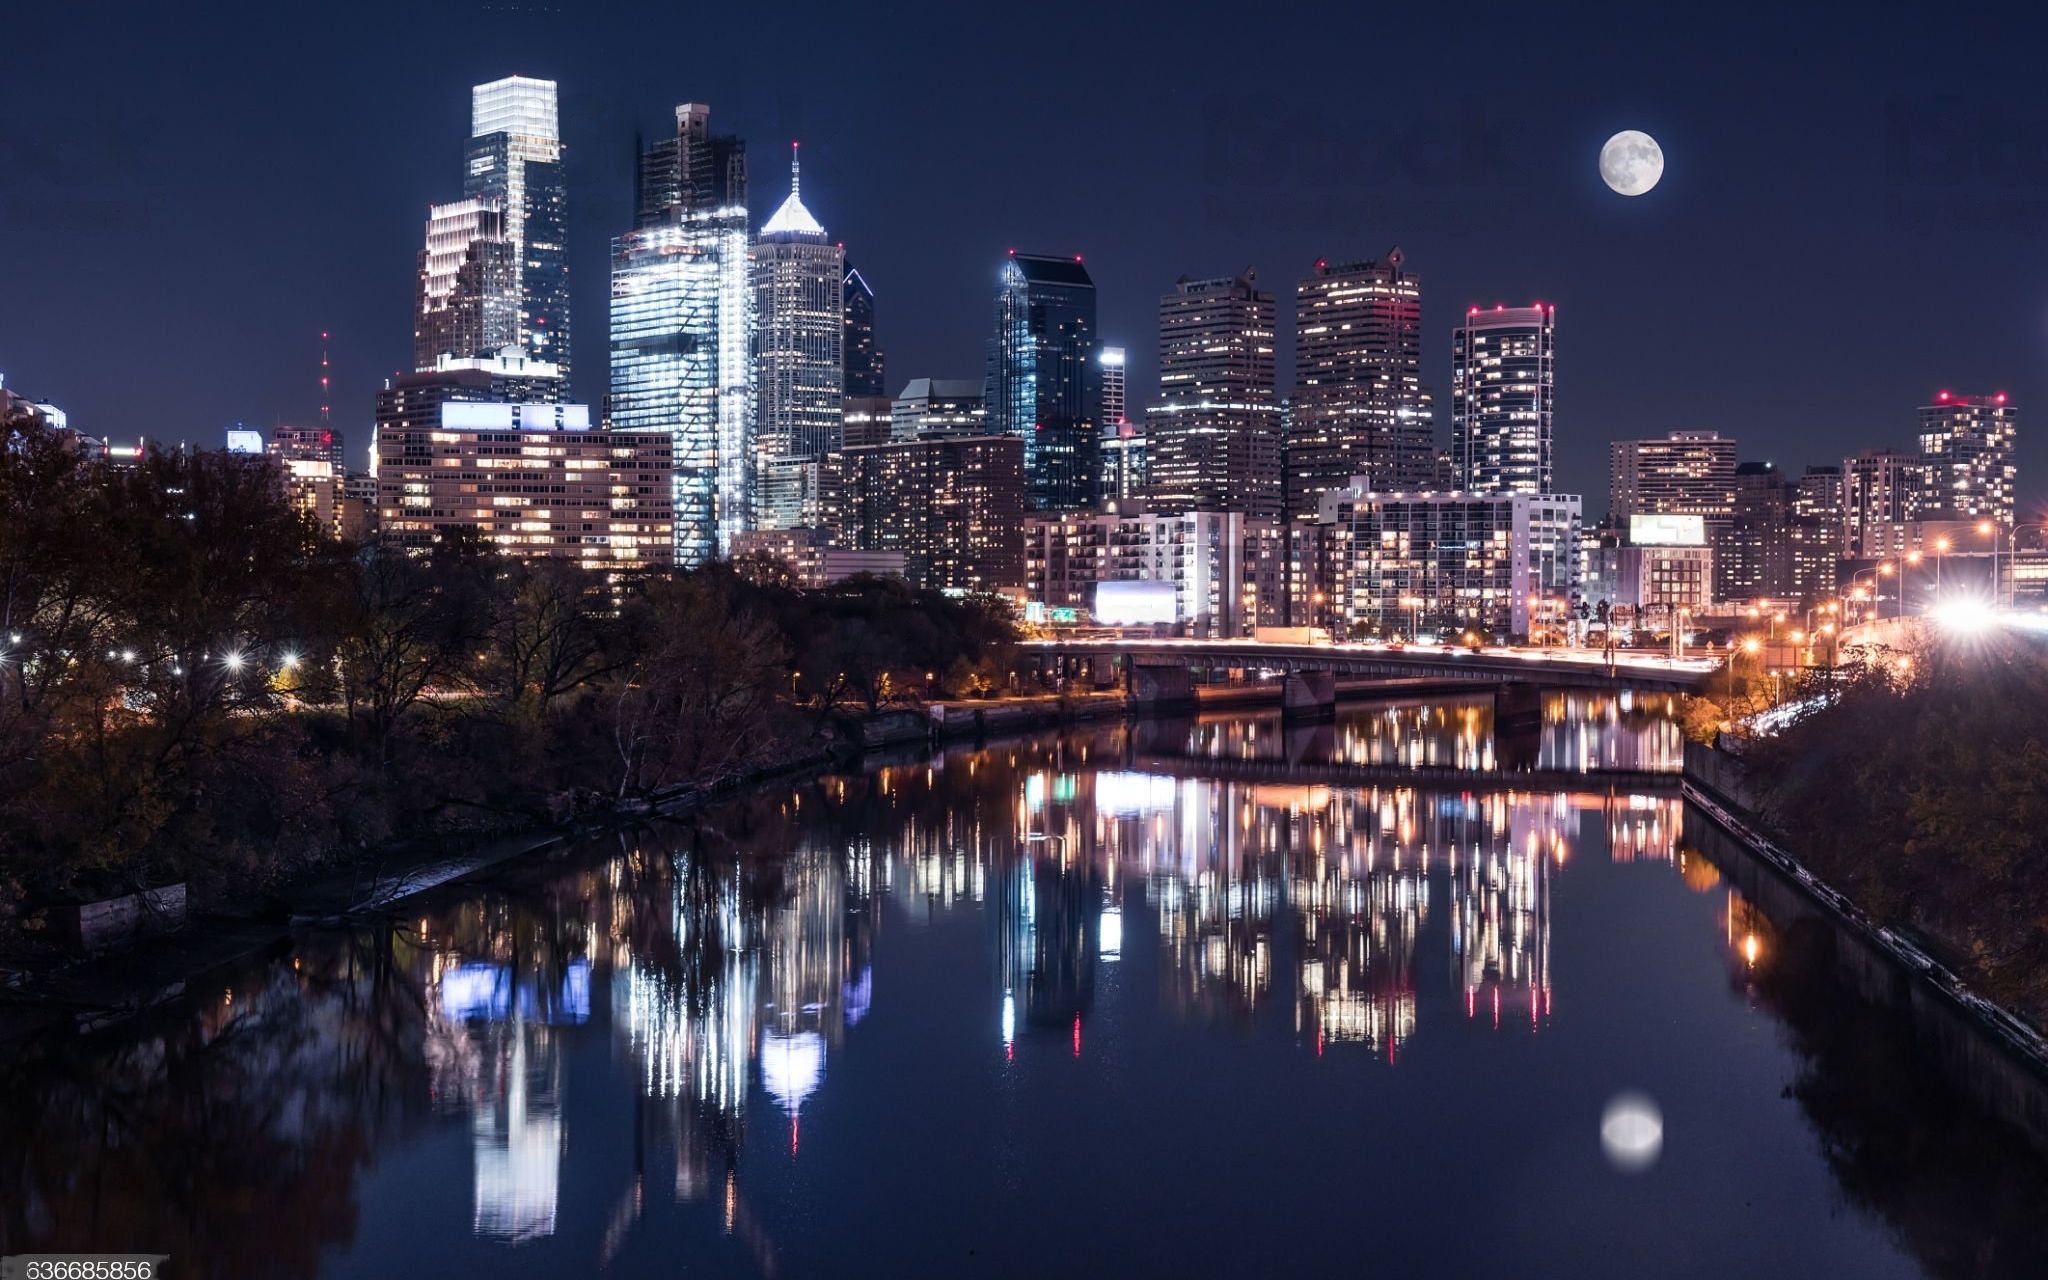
{"points": [[1309, 695], [1162, 688], [1102, 670]]}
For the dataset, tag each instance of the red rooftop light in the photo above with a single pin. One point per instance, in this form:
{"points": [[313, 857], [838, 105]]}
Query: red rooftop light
{"points": [[1999, 398], [1941, 396]]}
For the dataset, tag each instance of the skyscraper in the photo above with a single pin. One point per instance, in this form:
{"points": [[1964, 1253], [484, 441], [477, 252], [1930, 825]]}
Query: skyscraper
{"points": [[1966, 466], [799, 331], [1120, 447], [1043, 382], [1359, 407], [467, 304], [1214, 441], [1880, 490], [1683, 473], [682, 329], [864, 374], [515, 160], [953, 505], [1112, 361], [1503, 380], [926, 405]]}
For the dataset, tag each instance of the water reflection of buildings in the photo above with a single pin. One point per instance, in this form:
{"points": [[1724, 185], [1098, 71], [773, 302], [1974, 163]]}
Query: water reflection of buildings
{"points": [[731, 969], [725, 968], [501, 987], [1328, 889]]}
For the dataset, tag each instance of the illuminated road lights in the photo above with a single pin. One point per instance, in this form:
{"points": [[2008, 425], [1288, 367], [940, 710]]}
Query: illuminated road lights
{"points": [[1964, 616]]}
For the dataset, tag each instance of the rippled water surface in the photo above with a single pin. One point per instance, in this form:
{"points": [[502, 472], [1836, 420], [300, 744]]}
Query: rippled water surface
{"points": [[1183, 998]]}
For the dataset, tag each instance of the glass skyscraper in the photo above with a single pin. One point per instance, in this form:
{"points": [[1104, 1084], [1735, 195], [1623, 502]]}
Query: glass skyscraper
{"points": [[515, 159], [1503, 387], [1043, 382], [467, 304], [682, 329], [864, 376]]}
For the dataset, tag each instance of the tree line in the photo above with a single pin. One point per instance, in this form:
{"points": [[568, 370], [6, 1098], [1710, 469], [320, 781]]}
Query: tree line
{"points": [[1918, 784], [198, 683]]}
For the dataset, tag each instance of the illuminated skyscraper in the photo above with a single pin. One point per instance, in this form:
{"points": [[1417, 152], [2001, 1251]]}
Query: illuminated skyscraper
{"points": [[1359, 406], [951, 503], [1966, 467], [799, 331], [1503, 383], [1880, 490], [1213, 443], [926, 405], [864, 375], [682, 329], [1043, 384], [1683, 473], [515, 160], [1121, 449], [1112, 372], [468, 303]]}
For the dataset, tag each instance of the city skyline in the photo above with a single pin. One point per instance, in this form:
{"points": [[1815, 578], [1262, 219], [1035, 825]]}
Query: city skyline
{"points": [[1637, 280]]}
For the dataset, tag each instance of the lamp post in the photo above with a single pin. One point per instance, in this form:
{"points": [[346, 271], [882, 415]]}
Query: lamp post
{"points": [[1414, 606], [1941, 546], [1990, 529], [1882, 568]]}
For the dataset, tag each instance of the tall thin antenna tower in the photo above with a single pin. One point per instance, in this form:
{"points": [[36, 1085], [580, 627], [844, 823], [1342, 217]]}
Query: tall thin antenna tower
{"points": [[326, 409]]}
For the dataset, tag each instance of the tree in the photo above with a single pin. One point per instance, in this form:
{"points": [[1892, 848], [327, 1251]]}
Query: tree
{"points": [[697, 705], [546, 639], [402, 625]]}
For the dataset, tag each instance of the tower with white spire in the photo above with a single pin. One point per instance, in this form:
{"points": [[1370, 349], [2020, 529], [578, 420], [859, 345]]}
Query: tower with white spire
{"points": [[799, 354]]}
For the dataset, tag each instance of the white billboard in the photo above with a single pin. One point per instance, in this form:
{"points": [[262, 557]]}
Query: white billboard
{"points": [[244, 441], [1136, 604], [494, 415], [1667, 531]]}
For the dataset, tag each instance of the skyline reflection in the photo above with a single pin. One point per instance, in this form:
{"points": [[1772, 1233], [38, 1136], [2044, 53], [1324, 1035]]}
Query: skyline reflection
{"points": [[672, 1024]]}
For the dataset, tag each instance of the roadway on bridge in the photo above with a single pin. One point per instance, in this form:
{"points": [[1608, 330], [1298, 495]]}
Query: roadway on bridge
{"points": [[1498, 665]]}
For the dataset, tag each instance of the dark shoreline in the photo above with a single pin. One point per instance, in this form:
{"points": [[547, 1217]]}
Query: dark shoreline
{"points": [[1983, 1052]]}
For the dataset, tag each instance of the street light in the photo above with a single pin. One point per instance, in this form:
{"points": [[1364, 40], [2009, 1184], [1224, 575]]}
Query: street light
{"points": [[1941, 546], [1414, 606], [1989, 529], [1882, 568]]}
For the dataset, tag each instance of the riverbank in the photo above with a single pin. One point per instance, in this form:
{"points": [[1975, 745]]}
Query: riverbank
{"points": [[97, 989], [1984, 1050]]}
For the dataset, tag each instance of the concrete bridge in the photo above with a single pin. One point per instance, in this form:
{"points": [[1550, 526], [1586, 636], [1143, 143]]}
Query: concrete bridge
{"points": [[1160, 674]]}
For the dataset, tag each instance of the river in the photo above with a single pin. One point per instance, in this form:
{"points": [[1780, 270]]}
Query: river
{"points": [[1202, 997]]}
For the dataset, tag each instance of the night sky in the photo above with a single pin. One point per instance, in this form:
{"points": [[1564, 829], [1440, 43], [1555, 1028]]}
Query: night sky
{"points": [[1852, 215]]}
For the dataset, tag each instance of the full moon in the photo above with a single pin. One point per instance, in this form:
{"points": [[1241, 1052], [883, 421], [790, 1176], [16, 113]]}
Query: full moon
{"points": [[1632, 1129], [1631, 162]]}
